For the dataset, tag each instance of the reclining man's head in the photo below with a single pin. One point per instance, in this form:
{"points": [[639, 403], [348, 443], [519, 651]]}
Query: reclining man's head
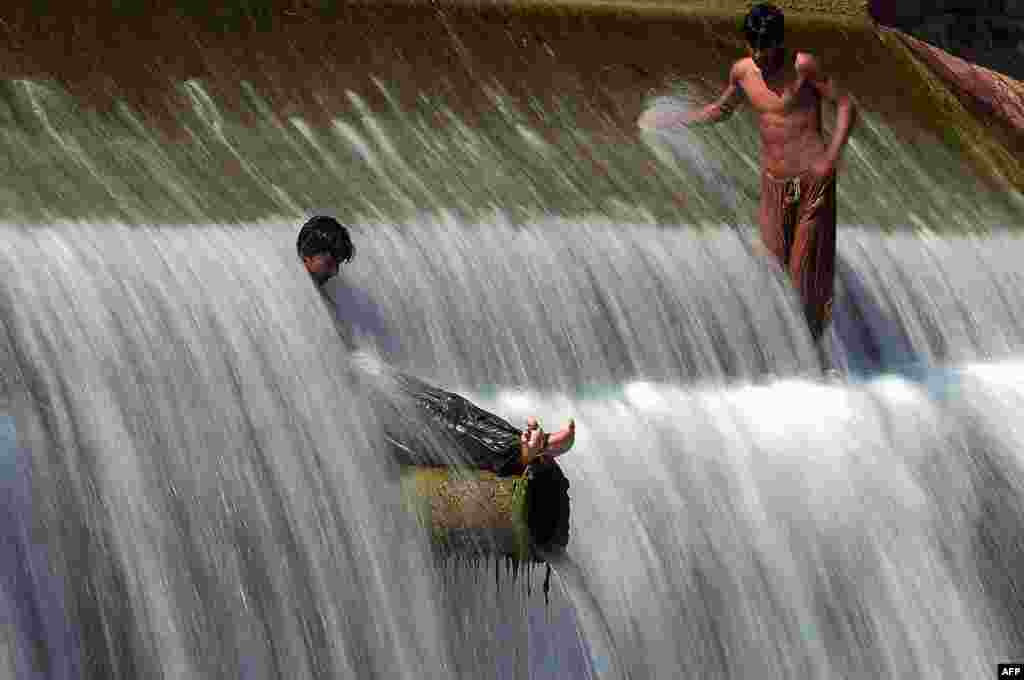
{"points": [[323, 244]]}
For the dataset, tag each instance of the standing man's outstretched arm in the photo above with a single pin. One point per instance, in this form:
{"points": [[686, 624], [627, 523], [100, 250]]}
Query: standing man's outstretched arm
{"points": [[718, 110]]}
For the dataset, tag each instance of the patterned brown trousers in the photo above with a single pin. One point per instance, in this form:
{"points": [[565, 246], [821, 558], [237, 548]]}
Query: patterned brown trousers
{"points": [[798, 226]]}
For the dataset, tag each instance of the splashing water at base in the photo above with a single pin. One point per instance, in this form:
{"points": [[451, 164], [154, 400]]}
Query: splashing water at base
{"points": [[797, 529]]}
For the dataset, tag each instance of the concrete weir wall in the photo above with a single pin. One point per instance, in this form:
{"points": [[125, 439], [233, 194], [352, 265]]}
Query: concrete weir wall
{"points": [[139, 53]]}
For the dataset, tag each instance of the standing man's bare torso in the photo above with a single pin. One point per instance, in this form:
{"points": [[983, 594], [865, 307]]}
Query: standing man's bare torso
{"points": [[788, 107]]}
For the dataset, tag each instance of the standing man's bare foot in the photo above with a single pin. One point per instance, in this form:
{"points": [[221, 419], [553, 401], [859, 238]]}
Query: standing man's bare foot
{"points": [[537, 444]]}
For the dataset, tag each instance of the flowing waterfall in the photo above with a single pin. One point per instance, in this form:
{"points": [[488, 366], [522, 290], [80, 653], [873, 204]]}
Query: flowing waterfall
{"points": [[193, 478]]}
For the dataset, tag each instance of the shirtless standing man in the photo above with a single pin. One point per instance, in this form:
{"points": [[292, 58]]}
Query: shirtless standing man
{"points": [[798, 179]]}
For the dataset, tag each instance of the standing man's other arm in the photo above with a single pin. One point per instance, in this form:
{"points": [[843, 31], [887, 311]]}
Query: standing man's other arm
{"points": [[719, 109], [846, 110]]}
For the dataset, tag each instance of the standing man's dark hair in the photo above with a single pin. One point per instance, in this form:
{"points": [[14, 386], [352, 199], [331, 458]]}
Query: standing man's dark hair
{"points": [[323, 244], [764, 26]]}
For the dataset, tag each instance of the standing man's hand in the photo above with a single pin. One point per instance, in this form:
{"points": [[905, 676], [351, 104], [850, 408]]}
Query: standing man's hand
{"points": [[823, 167]]}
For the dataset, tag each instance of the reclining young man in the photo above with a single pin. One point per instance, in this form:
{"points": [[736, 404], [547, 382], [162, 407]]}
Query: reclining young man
{"points": [[489, 442]]}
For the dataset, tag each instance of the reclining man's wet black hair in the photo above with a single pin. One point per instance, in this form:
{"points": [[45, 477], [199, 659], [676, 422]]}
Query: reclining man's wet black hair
{"points": [[764, 26], [323, 234]]}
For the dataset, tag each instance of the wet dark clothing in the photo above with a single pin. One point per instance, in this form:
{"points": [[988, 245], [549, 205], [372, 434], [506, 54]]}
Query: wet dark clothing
{"points": [[798, 226], [486, 441], [426, 425]]}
